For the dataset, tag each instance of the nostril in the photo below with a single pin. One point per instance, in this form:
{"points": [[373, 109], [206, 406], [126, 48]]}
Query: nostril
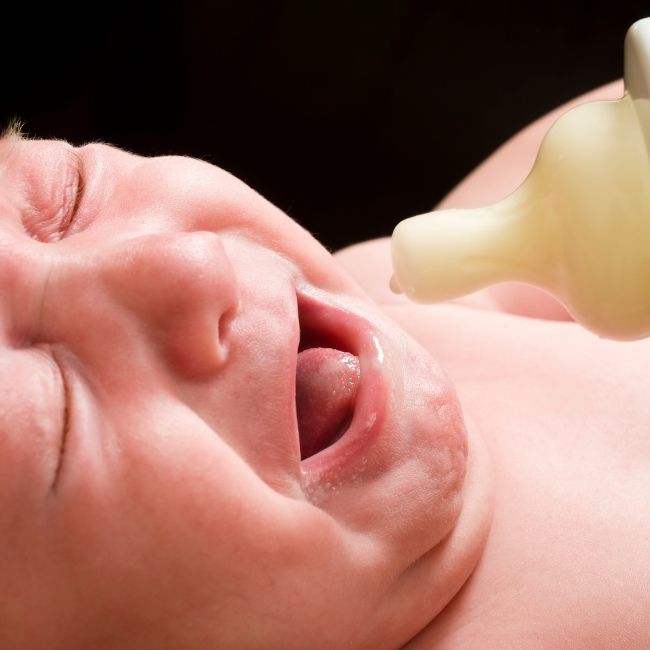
{"points": [[196, 341], [225, 325], [198, 346]]}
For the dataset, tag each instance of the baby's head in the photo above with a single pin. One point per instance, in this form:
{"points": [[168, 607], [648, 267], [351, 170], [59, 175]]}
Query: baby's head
{"points": [[152, 491]]}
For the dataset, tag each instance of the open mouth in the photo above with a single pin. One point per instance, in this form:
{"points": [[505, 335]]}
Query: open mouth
{"points": [[327, 380]]}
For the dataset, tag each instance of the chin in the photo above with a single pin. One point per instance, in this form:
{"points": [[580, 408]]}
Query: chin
{"points": [[406, 474]]}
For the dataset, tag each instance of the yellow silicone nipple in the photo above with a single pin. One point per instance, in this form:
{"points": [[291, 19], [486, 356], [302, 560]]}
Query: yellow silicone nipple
{"points": [[579, 225]]}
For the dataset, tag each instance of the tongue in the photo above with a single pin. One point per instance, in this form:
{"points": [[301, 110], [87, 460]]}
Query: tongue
{"points": [[326, 386]]}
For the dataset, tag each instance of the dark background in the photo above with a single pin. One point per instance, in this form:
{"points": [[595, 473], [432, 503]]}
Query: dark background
{"points": [[348, 115]]}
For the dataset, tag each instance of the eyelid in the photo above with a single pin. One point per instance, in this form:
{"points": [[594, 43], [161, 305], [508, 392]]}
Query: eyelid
{"points": [[54, 196], [73, 193], [65, 420]]}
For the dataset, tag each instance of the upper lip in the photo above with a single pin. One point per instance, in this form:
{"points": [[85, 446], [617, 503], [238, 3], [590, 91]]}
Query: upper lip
{"points": [[323, 325]]}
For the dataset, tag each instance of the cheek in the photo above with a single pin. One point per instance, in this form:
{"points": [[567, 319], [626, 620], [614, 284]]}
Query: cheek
{"points": [[247, 566], [177, 524], [204, 535], [32, 406]]}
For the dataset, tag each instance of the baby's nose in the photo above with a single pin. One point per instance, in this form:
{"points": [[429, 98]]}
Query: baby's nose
{"points": [[183, 290]]}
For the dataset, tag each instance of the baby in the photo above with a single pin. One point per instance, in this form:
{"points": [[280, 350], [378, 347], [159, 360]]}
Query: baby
{"points": [[161, 485]]}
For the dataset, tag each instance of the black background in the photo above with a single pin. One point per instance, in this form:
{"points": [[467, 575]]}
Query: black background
{"points": [[347, 115]]}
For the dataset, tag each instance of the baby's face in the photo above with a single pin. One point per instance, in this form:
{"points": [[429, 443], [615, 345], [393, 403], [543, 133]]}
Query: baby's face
{"points": [[152, 491]]}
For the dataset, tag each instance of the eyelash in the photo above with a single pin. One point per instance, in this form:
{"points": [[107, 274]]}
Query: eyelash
{"points": [[65, 426], [71, 209]]}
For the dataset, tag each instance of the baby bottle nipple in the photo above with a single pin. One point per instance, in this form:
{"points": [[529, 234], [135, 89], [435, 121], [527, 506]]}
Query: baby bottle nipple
{"points": [[579, 225]]}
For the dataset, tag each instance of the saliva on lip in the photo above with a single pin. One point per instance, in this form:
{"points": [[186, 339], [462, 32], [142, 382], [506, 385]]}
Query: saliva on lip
{"points": [[578, 227]]}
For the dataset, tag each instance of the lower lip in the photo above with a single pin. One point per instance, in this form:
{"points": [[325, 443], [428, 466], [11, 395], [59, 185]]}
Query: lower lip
{"points": [[349, 455]]}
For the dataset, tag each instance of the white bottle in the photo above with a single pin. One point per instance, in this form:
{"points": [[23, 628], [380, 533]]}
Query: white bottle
{"points": [[579, 225]]}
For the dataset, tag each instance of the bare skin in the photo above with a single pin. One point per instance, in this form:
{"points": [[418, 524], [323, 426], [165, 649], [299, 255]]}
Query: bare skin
{"points": [[152, 490], [565, 416], [152, 493]]}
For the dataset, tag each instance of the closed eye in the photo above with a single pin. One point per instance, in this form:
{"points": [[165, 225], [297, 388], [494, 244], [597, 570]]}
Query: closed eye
{"points": [[73, 193], [54, 196], [65, 423]]}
